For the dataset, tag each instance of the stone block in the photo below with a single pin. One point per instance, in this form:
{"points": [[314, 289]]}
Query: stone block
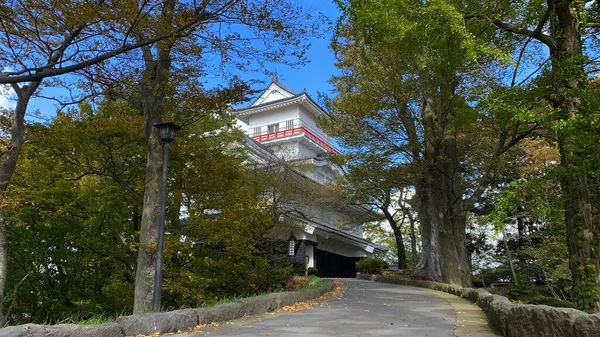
{"points": [[219, 313], [62, 330], [162, 322], [484, 298], [277, 301], [253, 306], [456, 290], [498, 313], [470, 294], [542, 321], [587, 326]]}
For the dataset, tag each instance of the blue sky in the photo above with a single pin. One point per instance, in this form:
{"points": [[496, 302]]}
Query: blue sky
{"points": [[313, 77]]}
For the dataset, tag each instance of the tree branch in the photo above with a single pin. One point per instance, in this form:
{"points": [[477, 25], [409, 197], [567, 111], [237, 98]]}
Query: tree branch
{"points": [[44, 72], [14, 299], [536, 34]]}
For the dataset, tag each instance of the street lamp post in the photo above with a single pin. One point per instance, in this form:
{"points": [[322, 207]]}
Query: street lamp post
{"points": [[167, 134]]}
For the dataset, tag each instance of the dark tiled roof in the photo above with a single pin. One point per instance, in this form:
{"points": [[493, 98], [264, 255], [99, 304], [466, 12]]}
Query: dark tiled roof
{"points": [[284, 87]]}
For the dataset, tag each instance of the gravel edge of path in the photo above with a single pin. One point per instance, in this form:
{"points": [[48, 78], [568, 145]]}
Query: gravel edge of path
{"points": [[470, 319]]}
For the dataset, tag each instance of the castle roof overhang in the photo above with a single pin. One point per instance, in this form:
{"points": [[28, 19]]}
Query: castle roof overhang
{"points": [[302, 99], [331, 231]]}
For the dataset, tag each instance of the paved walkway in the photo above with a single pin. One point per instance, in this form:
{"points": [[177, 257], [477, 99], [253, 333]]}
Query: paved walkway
{"points": [[365, 309]]}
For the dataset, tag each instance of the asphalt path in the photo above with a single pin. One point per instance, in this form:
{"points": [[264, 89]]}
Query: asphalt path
{"points": [[365, 309]]}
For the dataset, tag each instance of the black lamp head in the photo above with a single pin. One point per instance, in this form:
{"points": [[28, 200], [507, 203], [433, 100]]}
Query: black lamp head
{"points": [[167, 131]]}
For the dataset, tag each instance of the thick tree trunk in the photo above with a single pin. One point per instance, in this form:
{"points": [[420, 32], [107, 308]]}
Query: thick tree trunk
{"points": [[429, 266], [144, 279], [3, 265], [439, 195], [443, 232], [453, 234], [7, 169], [153, 85], [582, 222], [583, 237]]}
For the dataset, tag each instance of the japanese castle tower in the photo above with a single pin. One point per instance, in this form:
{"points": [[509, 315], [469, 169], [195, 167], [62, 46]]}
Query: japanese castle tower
{"points": [[281, 124]]}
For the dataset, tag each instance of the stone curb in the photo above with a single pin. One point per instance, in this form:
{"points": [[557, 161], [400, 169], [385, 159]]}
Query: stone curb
{"points": [[509, 320], [172, 321]]}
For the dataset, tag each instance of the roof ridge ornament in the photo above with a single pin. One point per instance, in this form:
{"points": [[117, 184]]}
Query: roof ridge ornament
{"points": [[274, 76]]}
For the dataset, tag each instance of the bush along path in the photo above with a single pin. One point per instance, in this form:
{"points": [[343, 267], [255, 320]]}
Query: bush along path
{"points": [[508, 319], [154, 324]]}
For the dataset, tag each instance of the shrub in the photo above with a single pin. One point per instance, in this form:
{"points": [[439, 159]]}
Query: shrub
{"points": [[295, 282], [370, 266], [552, 302], [299, 268], [312, 271], [312, 282]]}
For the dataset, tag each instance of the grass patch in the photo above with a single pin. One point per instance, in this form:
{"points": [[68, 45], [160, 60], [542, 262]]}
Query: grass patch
{"points": [[312, 283], [97, 318]]}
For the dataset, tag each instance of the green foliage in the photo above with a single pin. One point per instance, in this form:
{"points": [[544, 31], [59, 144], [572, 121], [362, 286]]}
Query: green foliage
{"points": [[552, 302], [376, 232], [312, 271], [586, 287], [75, 212], [299, 268], [371, 266], [313, 282]]}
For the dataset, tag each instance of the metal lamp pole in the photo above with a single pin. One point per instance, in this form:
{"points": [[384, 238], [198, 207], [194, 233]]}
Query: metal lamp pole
{"points": [[167, 134]]}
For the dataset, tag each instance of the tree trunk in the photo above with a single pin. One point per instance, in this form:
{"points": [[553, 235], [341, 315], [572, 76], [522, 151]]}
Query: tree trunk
{"points": [[429, 266], [439, 195], [413, 238], [7, 169], [144, 280], [583, 233], [582, 222], [3, 266], [453, 233], [153, 85], [399, 239], [510, 260]]}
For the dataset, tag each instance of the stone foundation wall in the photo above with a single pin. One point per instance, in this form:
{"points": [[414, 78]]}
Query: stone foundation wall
{"points": [[510, 320], [172, 321]]}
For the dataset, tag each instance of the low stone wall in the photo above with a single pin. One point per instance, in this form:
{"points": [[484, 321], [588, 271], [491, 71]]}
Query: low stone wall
{"points": [[510, 320], [172, 321]]}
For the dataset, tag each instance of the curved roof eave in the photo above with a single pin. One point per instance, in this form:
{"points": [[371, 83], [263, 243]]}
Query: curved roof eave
{"points": [[301, 99]]}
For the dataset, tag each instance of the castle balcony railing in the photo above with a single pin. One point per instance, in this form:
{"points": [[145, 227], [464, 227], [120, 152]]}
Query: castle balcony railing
{"points": [[291, 128]]}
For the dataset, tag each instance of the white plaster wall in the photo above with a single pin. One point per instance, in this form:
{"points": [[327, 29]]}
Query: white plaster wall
{"points": [[310, 252], [308, 118], [274, 116], [304, 151], [284, 149]]}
